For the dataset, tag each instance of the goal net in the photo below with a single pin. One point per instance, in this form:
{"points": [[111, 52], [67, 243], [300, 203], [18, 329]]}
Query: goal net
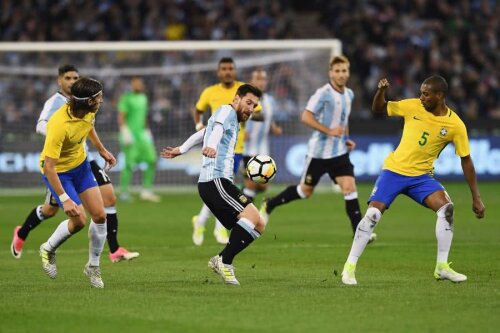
{"points": [[174, 73]]}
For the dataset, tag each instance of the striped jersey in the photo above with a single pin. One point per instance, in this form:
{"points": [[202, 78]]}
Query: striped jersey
{"points": [[331, 108], [222, 165], [257, 132]]}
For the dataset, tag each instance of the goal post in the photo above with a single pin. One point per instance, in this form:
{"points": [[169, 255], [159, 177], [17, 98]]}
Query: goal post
{"points": [[175, 73]]}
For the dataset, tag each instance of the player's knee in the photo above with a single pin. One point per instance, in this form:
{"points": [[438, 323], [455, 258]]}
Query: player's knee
{"points": [[374, 214], [447, 211], [109, 200], [49, 211], [99, 217]]}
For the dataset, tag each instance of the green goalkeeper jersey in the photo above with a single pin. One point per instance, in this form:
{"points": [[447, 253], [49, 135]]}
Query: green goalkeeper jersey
{"points": [[135, 108]]}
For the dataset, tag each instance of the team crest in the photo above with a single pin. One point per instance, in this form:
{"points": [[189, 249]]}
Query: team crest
{"points": [[243, 199], [308, 179], [443, 132]]}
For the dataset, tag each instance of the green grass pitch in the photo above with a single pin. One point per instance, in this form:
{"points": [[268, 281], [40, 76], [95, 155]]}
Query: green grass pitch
{"points": [[290, 278]]}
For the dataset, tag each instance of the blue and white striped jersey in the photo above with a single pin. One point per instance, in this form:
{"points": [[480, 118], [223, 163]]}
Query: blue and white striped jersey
{"points": [[222, 165], [257, 140], [331, 108], [53, 104]]}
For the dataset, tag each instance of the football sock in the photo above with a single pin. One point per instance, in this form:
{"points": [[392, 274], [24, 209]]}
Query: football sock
{"points": [[352, 209], [218, 225], [242, 234], [249, 192], [31, 222], [444, 235], [97, 236], [112, 226], [125, 178], [149, 175], [60, 235], [363, 232], [291, 193], [203, 216]]}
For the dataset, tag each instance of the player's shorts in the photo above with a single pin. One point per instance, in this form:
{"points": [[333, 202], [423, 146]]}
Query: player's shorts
{"points": [[237, 161], [390, 184], [315, 168], [74, 182], [224, 199], [100, 175]]}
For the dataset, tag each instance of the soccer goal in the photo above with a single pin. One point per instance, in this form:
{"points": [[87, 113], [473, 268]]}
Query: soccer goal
{"points": [[175, 73]]}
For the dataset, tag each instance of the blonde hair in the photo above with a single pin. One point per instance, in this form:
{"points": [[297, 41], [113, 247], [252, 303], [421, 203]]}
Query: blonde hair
{"points": [[340, 59]]}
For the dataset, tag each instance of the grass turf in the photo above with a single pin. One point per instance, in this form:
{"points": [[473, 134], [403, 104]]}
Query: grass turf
{"points": [[290, 278]]}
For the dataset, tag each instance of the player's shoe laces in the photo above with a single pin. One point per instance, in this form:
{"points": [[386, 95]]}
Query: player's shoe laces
{"points": [[373, 238], [198, 232], [443, 271], [122, 254], [148, 195], [348, 276], [16, 248], [48, 262], [94, 274], [263, 210], [220, 235], [226, 272]]}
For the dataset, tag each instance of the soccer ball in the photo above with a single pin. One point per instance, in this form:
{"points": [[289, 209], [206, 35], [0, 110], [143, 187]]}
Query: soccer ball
{"points": [[261, 169]]}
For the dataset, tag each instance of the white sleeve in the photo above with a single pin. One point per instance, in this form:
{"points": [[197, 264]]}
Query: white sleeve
{"points": [[192, 141], [215, 136], [41, 127]]}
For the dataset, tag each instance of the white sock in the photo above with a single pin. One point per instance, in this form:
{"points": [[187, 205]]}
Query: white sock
{"points": [[363, 232], [218, 225], [203, 216], [444, 235], [39, 213], [97, 236], [58, 237], [249, 192]]}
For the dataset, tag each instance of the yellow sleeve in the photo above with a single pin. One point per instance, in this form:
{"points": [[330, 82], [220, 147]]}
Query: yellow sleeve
{"points": [[400, 108], [203, 102], [56, 134], [461, 141]]}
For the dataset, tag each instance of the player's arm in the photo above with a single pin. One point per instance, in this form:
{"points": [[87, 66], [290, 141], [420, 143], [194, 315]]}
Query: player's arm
{"points": [[379, 104], [210, 150], [108, 157], [193, 140], [257, 116], [198, 124], [311, 121], [125, 133], [348, 142], [49, 170], [470, 177], [276, 129]]}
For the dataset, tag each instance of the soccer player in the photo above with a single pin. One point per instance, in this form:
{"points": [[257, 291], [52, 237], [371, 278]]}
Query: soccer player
{"points": [[212, 98], [215, 185], [257, 132], [136, 141], [68, 175], [67, 75], [327, 112], [429, 126]]}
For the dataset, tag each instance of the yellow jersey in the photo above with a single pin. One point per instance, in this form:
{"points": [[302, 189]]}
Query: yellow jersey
{"points": [[216, 95], [424, 137], [65, 139]]}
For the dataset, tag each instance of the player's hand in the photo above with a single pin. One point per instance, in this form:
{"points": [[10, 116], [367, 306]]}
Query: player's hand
{"points": [[209, 152], [383, 83], [478, 208], [350, 145], [109, 158], [126, 136], [170, 152], [336, 131], [70, 208]]}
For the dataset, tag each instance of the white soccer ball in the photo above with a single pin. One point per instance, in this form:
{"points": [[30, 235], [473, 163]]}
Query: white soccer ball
{"points": [[261, 169]]}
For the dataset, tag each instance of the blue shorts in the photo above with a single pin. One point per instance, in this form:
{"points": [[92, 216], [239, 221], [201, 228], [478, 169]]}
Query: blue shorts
{"points": [[74, 182], [237, 160], [389, 184]]}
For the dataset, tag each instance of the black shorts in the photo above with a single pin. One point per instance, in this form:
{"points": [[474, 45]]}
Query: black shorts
{"points": [[335, 167], [224, 199], [100, 175]]}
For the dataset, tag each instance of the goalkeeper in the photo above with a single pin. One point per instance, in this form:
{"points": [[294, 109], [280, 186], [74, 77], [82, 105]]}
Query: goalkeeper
{"points": [[136, 141]]}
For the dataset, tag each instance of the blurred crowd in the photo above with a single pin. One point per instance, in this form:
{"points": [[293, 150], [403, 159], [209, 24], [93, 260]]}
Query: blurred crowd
{"points": [[408, 40], [402, 40]]}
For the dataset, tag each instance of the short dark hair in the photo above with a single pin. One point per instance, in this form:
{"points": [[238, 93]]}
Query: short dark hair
{"points": [[438, 83], [66, 68], [82, 91], [248, 88], [226, 60]]}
